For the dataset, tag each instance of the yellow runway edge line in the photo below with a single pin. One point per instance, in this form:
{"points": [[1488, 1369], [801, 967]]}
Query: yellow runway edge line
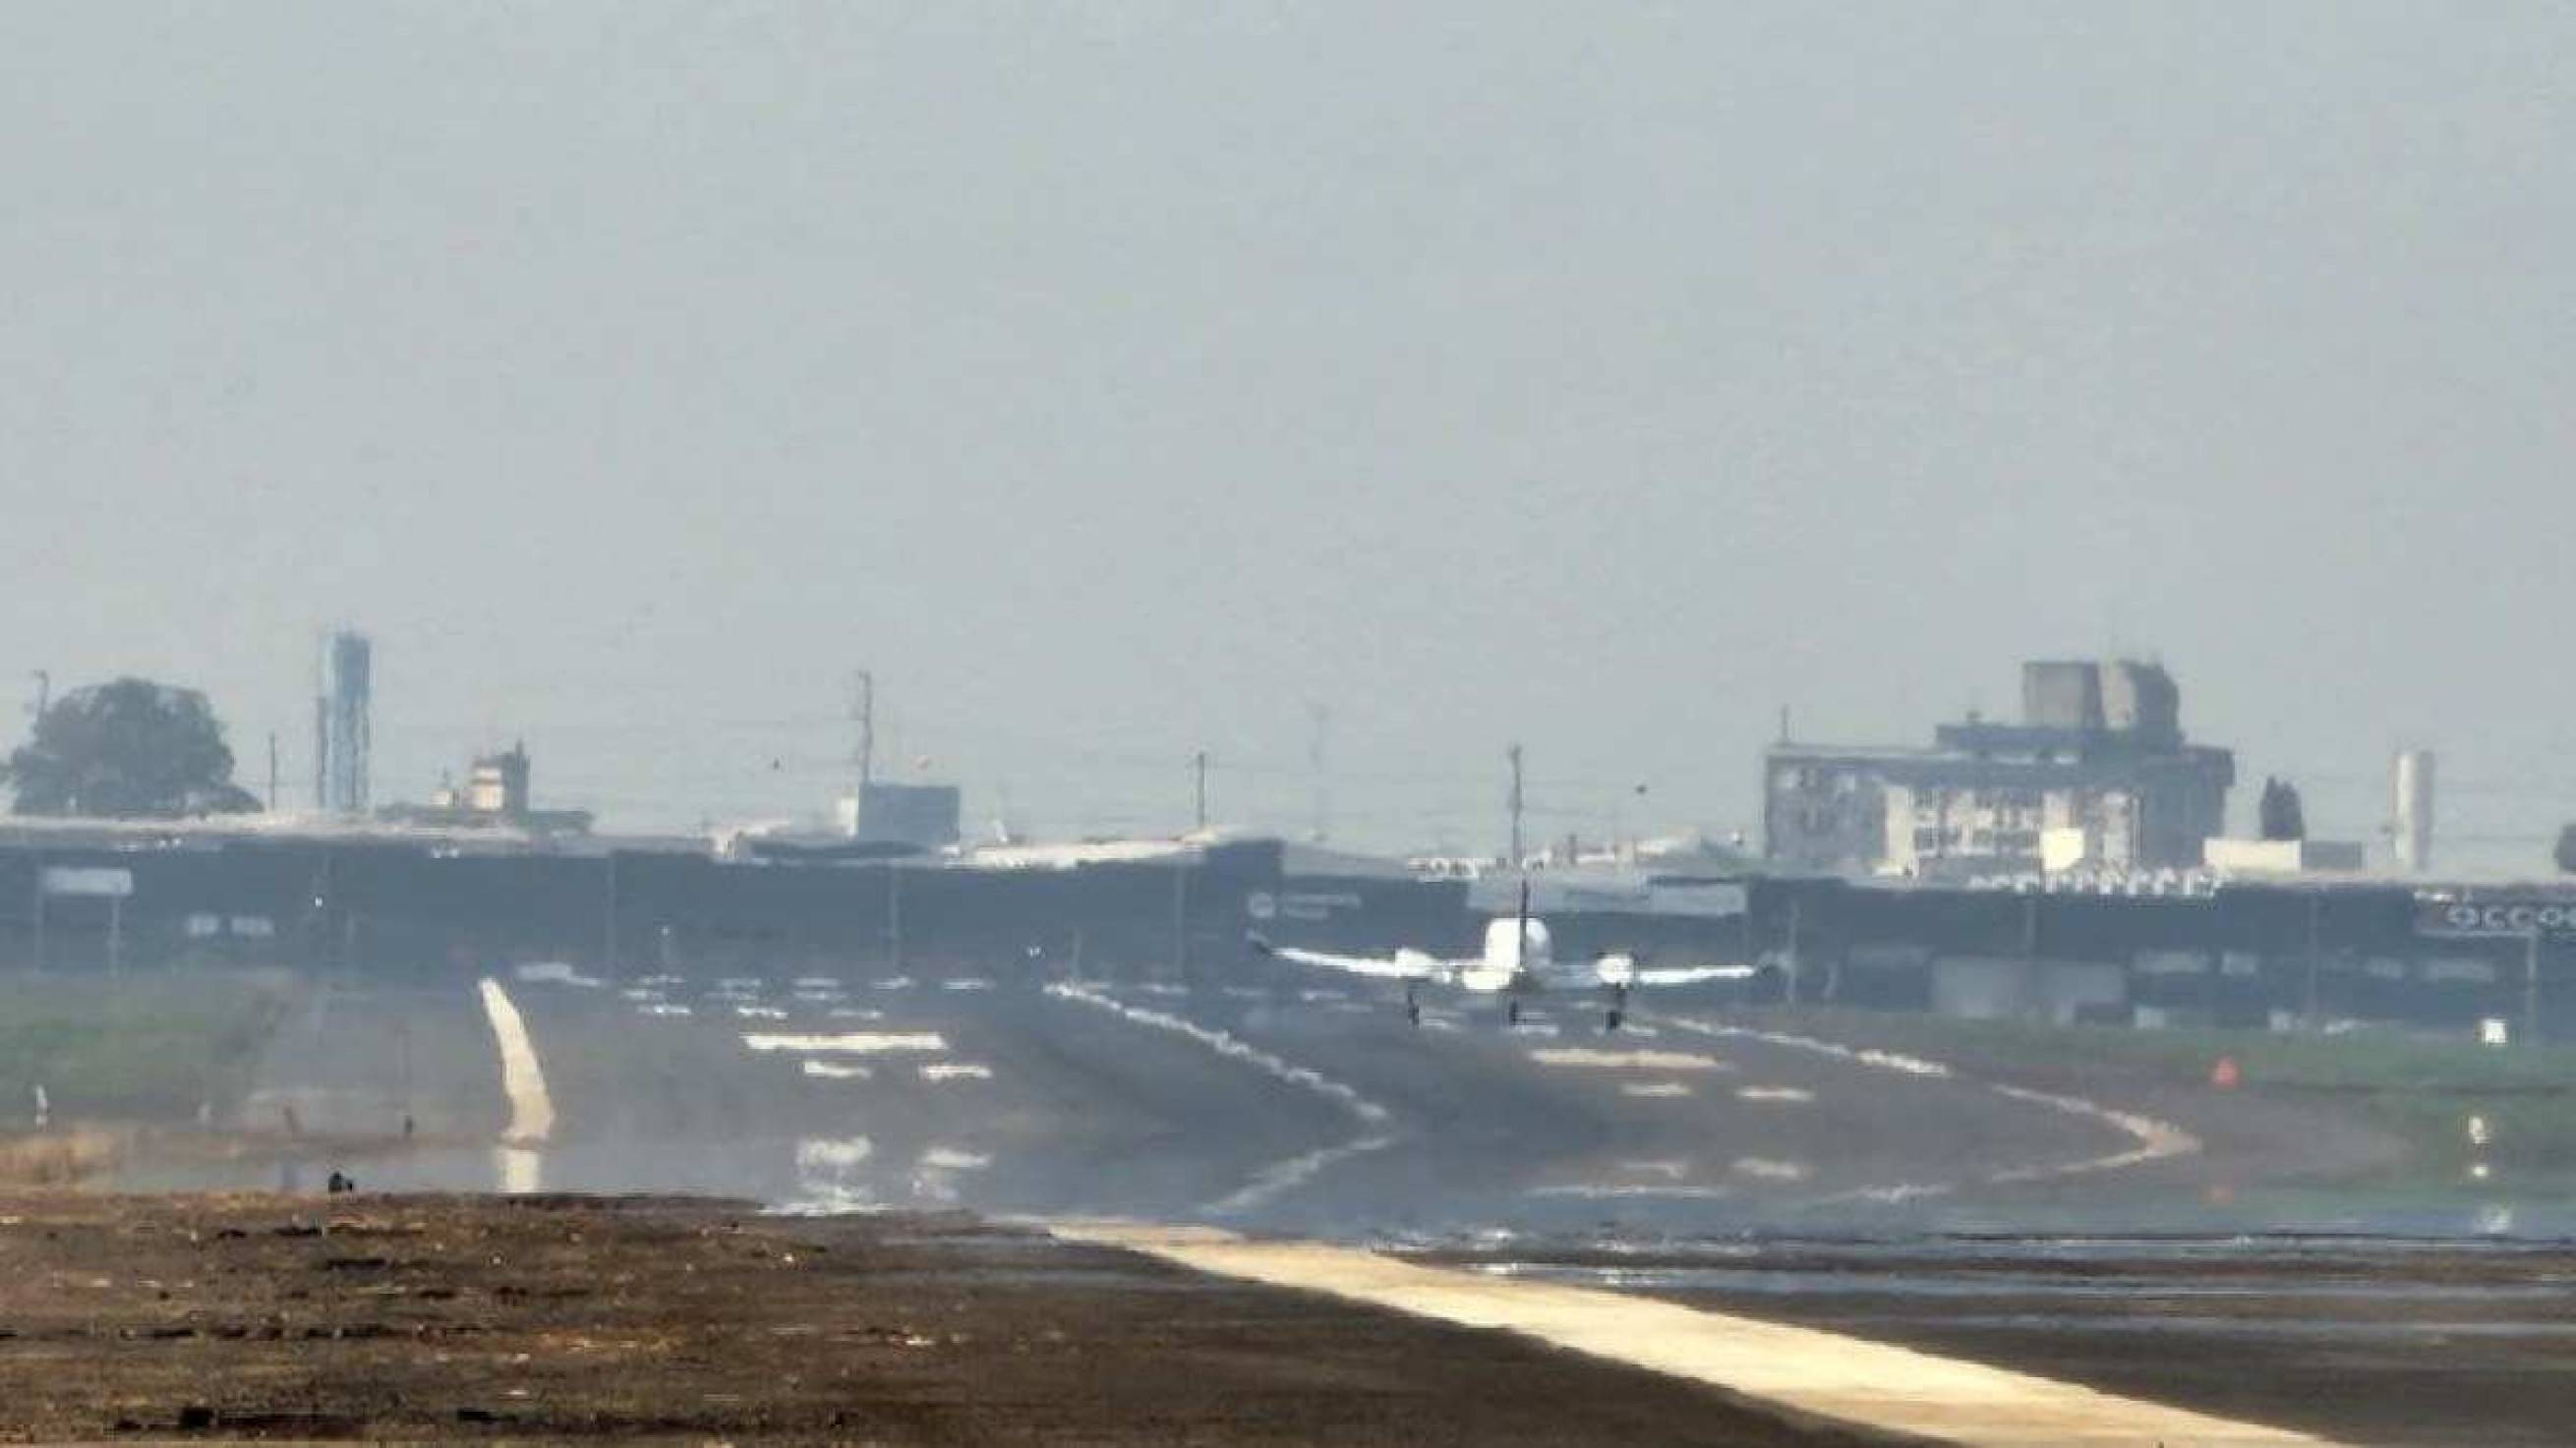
{"points": [[1802, 1370]]}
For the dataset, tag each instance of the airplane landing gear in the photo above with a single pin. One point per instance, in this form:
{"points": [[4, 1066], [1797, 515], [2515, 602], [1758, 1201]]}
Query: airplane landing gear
{"points": [[1412, 1007], [1618, 1012], [1514, 1012]]}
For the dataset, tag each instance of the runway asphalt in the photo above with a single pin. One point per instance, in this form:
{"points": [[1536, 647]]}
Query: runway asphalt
{"points": [[1287, 1105], [1645, 1161]]}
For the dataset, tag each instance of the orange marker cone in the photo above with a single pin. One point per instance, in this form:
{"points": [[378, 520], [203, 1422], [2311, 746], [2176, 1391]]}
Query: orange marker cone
{"points": [[2224, 1075]]}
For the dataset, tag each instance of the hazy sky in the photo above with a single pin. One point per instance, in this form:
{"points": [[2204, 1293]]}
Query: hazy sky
{"points": [[1117, 380]]}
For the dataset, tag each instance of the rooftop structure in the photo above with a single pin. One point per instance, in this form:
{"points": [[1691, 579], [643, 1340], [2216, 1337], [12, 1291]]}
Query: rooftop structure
{"points": [[495, 795], [2096, 774]]}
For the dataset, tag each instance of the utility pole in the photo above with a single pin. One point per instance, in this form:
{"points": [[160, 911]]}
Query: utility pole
{"points": [[2531, 989], [1320, 718], [1514, 754], [1795, 967], [1181, 920], [894, 916], [2316, 913], [44, 693], [272, 771], [608, 917], [863, 711], [321, 751], [1198, 790]]}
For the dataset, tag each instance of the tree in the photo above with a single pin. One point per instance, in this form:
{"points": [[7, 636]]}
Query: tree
{"points": [[2566, 851], [127, 749], [2281, 817]]}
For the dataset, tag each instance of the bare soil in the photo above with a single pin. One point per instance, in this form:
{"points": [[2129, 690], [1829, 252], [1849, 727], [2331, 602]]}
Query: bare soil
{"points": [[439, 1317]]}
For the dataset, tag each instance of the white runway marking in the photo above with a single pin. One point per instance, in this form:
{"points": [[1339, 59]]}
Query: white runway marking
{"points": [[838, 1157], [1896, 1195], [855, 1043], [522, 1171], [1296, 1171], [532, 1111], [835, 1071], [966, 983], [949, 1158], [1767, 1170], [1280, 1176], [1792, 1094], [1225, 1043], [2152, 1140], [760, 1013], [1617, 1191], [1861, 1055], [1588, 1056], [1804, 1370], [828, 1173], [1655, 1090], [956, 1071], [854, 1013], [2155, 1139], [1670, 1170]]}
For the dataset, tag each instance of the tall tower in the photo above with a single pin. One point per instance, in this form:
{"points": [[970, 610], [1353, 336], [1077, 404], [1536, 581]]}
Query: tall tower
{"points": [[2413, 814], [342, 724]]}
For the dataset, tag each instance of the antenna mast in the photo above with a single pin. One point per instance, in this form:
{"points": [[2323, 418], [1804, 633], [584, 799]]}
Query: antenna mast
{"points": [[1514, 754]]}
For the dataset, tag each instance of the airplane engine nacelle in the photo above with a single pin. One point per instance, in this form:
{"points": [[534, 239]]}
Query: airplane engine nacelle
{"points": [[1617, 969]]}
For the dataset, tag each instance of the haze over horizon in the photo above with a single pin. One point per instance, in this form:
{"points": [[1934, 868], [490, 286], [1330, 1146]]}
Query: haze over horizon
{"points": [[1118, 381]]}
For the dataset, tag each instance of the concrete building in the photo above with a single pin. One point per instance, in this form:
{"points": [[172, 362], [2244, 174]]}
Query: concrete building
{"points": [[495, 795], [924, 816], [2097, 774], [2284, 857], [496, 788]]}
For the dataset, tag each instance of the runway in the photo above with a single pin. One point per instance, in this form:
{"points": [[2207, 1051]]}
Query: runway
{"points": [[1287, 1107], [1694, 1156]]}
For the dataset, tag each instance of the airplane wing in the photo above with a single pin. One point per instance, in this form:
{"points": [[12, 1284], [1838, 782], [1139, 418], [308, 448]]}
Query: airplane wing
{"points": [[1403, 965], [1622, 970], [1692, 974]]}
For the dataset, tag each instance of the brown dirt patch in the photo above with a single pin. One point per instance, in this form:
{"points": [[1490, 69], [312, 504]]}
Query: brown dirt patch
{"points": [[556, 1317]]}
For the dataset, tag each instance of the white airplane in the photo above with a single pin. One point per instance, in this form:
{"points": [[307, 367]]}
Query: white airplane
{"points": [[1519, 960]]}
